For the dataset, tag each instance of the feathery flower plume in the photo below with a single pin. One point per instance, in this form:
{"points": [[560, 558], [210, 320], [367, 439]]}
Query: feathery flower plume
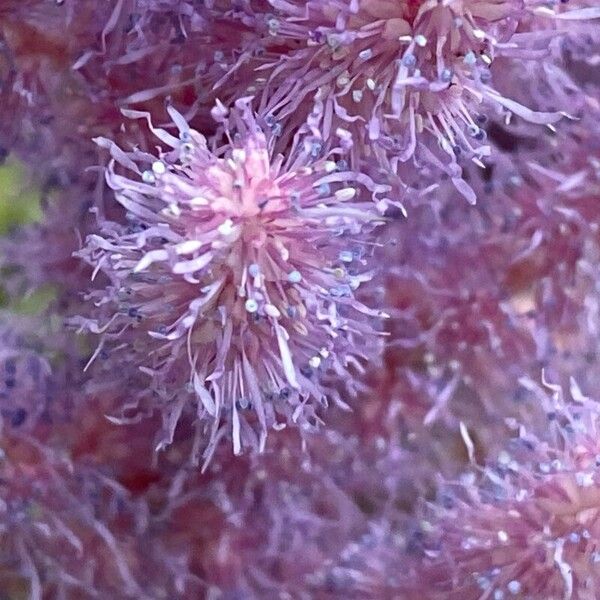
{"points": [[232, 288]]}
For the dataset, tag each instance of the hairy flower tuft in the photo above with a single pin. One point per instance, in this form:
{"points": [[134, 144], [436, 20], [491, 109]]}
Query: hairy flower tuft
{"points": [[233, 285]]}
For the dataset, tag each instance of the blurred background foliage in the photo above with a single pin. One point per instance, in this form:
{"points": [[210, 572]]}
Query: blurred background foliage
{"points": [[19, 205], [19, 199]]}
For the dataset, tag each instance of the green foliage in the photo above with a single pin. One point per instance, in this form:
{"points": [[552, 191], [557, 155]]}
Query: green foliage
{"points": [[19, 199], [20, 204]]}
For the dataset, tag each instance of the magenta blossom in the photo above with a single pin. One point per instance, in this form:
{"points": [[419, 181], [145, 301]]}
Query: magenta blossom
{"points": [[233, 286]]}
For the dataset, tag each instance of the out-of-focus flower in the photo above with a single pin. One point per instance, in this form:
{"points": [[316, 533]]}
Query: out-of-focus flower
{"points": [[59, 527], [38, 365], [373, 565], [527, 525], [254, 517], [67, 68], [232, 287], [482, 296], [25, 382]]}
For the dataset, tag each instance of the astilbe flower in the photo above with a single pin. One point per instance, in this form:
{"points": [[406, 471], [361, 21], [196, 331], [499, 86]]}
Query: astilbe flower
{"points": [[526, 526], [233, 286], [225, 280], [91, 60], [386, 79]]}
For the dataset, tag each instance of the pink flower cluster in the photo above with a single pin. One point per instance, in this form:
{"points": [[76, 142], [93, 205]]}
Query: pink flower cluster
{"points": [[325, 300], [237, 270]]}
